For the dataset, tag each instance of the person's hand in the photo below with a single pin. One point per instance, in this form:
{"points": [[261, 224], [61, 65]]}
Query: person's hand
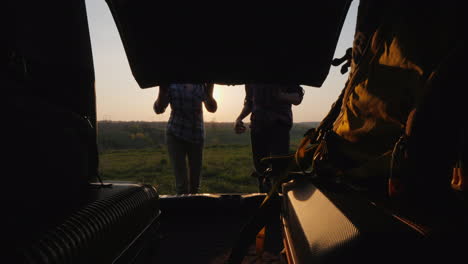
{"points": [[239, 127], [158, 109], [211, 105]]}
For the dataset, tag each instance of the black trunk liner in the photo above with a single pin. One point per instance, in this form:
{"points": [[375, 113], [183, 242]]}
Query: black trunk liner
{"points": [[201, 230]]}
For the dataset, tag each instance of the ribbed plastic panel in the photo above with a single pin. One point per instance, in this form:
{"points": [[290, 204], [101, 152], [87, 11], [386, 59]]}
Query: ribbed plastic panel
{"points": [[100, 231]]}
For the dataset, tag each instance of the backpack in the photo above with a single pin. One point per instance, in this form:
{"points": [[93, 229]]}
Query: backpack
{"points": [[397, 131]]}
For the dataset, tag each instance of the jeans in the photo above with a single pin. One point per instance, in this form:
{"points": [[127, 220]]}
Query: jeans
{"points": [[268, 142], [181, 154]]}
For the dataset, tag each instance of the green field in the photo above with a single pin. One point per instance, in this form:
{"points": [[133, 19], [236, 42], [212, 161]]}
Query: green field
{"points": [[135, 151]]}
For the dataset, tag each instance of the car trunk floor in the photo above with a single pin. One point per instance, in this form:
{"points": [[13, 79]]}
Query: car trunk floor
{"points": [[203, 230]]}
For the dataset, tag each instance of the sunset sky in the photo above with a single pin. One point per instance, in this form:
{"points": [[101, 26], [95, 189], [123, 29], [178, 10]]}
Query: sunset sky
{"points": [[119, 98]]}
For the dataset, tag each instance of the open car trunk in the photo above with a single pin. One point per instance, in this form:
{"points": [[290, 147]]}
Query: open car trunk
{"points": [[55, 211]]}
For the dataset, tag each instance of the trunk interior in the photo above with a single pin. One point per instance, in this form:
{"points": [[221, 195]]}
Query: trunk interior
{"points": [[203, 229]]}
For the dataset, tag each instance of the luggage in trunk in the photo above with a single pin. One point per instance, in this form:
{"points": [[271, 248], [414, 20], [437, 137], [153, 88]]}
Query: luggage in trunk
{"points": [[335, 225]]}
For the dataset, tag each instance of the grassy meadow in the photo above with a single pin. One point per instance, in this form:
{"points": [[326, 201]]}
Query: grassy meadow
{"points": [[135, 151]]}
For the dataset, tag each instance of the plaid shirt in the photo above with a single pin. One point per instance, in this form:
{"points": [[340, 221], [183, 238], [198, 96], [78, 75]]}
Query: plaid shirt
{"points": [[186, 120], [267, 111]]}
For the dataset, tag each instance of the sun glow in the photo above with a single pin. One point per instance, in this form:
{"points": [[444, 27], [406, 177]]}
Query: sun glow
{"points": [[230, 99], [218, 93]]}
